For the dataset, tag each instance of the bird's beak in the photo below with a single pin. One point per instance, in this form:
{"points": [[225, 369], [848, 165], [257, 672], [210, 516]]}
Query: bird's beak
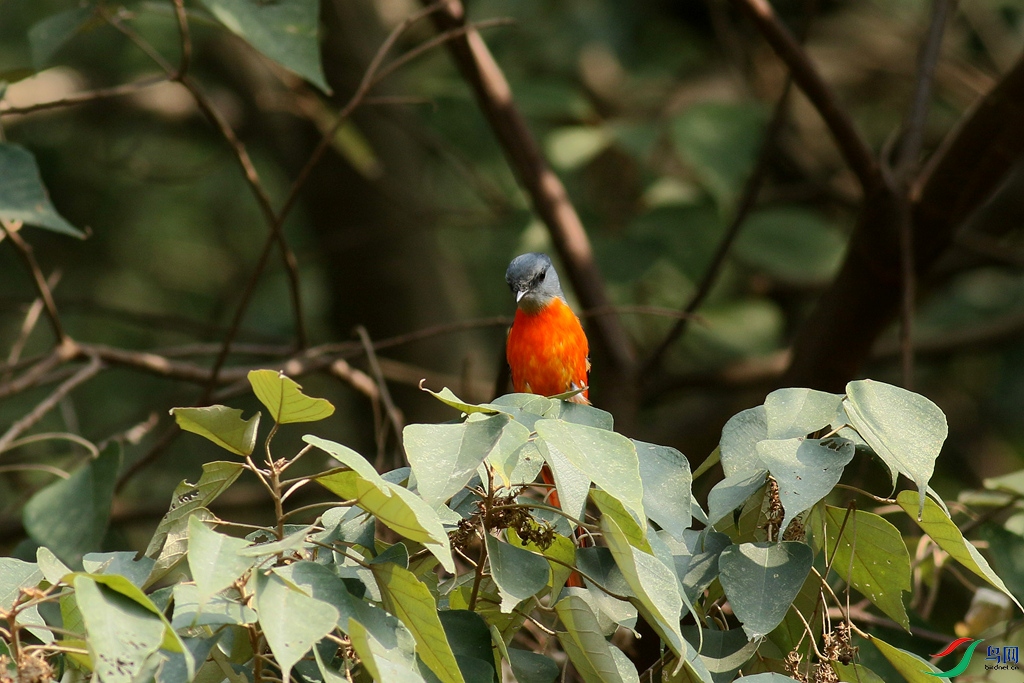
{"points": [[520, 294]]}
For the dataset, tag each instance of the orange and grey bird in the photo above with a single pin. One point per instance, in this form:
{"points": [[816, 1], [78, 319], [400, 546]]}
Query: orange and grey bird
{"points": [[547, 348]]}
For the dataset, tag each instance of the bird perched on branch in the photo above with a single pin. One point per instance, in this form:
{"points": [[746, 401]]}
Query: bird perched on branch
{"points": [[547, 348]]}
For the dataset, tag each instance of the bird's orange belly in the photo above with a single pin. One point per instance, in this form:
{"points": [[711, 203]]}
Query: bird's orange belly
{"points": [[547, 351]]}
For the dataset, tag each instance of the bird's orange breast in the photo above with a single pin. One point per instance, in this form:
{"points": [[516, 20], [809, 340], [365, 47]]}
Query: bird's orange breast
{"points": [[547, 351]]}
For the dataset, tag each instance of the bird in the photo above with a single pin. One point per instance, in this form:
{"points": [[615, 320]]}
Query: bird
{"points": [[547, 350]]}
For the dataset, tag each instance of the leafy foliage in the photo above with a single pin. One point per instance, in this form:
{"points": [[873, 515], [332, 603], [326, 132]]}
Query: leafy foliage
{"points": [[330, 602]]}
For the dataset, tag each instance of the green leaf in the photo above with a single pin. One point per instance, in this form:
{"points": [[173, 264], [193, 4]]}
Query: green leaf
{"points": [[213, 559], [518, 573], [655, 586], [320, 583], [192, 610], [561, 552], [910, 666], [665, 473], [530, 667], [571, 482], [447, 397], [23, 196], [410, 600], [770, 677], [571, 147], [582, 414], [904, 429], [806, 470], [608, 459], [720, 142], [515, 460], [723, 652], [855, 673], [444, 457], [70, 516], [222, 425], [14, 575], [934, 522], [292, 622], [122, 563], [388, 654], [526, 408], [733, 491], [397, 507], [284, 30], [791, 243], [584, 642], [630, 527], [738, 447], [46, 37], [122, 633], [791, 413], [761, 581], [1007, 551], [871, 556], [52, 568], [283, 396], [292, 542], [468, 634]]}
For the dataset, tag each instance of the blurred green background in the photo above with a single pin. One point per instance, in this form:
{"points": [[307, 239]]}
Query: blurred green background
{"points": [[651, 113]]}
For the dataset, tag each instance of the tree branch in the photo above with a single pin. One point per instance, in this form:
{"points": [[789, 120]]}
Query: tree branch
{"points": [[550, 199], [850, 142], [11, 229]]}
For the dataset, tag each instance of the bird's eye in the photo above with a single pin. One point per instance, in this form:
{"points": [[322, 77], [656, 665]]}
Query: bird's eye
{"points": [[540, 278]]}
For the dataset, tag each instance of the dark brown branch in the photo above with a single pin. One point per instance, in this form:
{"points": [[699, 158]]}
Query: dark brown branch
{"points": [[28, 256], [7, 109], [550, 199], [865, 296], [850, 142]]}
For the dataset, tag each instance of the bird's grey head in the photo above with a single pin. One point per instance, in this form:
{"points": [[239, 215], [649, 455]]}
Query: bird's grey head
{"points": [[533, 280]]}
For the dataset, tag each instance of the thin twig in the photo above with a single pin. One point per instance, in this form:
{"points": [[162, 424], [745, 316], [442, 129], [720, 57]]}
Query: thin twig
{"points": [[394, 416], [11, 229], [35, 310], [851, 144], [82, 97], [47, 404]]}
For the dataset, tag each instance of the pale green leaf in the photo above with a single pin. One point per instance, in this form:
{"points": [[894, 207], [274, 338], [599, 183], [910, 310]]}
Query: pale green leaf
{"points": [[761, 581], [52, 568], [806, 470], [608, 459], [515, 460], [738, 447], [733, 491], [213, 559], [665, 474], [292, 542], [292, 622], [192, 610], [222, 425], [122, 563], [445, 456], [284, 399], [448, 397], [584, 642], [792, 413], [518, 573], [947, 536], [387, 655], [23, 196], [855, 673], [654, 585], [904, 429], [634, 531], [723, 652], [122, 633], [560, 553], [410, 600], [283, 30], [571, 482], [16, 574], [319, 582]]}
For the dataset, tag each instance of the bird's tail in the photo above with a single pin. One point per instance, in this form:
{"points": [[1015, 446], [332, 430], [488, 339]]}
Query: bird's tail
{"points": [[574, 580]]}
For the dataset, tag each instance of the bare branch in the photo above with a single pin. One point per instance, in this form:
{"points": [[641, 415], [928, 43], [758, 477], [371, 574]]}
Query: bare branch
{"points": [[7, 109], [550, 199], [850, 142], [11, 229]]}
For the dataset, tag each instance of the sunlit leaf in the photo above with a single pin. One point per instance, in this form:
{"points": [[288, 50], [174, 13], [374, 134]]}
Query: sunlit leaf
{"points": [[222, 425], [761, 581], [731, 492], [941, 529], [634, 532], [910, 666], [213, 559], [284, 399], [855, 673], [792, 413], [410, 600], [665, 473], [192, 610], [319, 582], [806, 470], [23, 196], [584, 642], [292, 622], [388, 654], [904, 429], [448, 397], [871, 556], [738, 447]]}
